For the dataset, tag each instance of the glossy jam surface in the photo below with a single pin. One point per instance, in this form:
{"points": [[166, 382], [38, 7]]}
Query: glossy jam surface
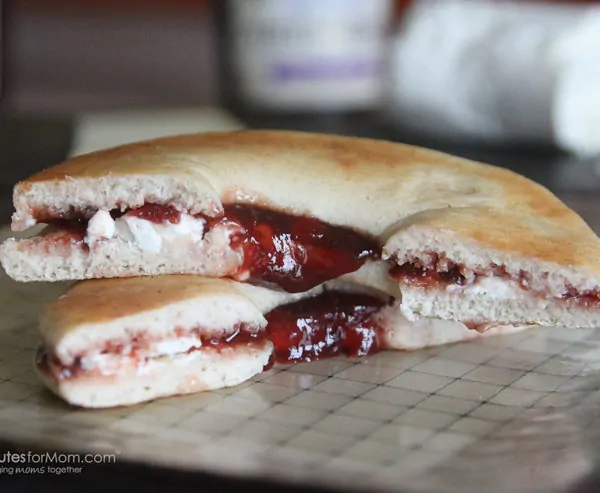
{"points": [[295, 253], [325, 326]]}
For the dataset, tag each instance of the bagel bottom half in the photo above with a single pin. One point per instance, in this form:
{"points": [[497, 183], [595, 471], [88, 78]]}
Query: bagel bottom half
{"points": [[112, 342]]}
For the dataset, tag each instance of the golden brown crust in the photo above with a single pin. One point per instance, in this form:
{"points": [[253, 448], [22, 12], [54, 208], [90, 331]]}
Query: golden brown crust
{"points": [[102, 300], [374, 186], [347, 154], [567, 242], [347, 159]]}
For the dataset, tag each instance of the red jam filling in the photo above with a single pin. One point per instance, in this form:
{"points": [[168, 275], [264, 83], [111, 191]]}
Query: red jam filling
{"points": [[481, 327], [64, 235], [427, 277], [138, 344], [588, 298], [295, 253], [431, 275], [438, 270], [325, 326], [157, 213]]}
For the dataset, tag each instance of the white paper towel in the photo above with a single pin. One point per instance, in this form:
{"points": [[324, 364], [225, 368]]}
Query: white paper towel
{"points": [[500, 72]]}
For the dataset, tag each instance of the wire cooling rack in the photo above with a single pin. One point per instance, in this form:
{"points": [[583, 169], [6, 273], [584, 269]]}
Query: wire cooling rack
{"points": [[500, 413]]}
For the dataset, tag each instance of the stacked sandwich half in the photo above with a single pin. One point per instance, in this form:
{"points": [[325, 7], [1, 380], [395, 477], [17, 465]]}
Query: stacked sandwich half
{"points": [[204, 259]]}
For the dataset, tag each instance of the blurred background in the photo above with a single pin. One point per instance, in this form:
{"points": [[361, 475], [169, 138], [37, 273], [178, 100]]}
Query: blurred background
{"points": [[513, 83]]}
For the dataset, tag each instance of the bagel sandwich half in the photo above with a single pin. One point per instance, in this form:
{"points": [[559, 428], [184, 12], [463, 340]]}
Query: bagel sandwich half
{"points": [[114, 342], [463, 241]]}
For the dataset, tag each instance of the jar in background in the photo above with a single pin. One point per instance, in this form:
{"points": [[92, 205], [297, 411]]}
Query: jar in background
{"points": [[304, 56]]}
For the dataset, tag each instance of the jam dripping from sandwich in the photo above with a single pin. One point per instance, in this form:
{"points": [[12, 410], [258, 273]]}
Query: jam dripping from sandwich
{"points": [[294, 253], [325, 326]]}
